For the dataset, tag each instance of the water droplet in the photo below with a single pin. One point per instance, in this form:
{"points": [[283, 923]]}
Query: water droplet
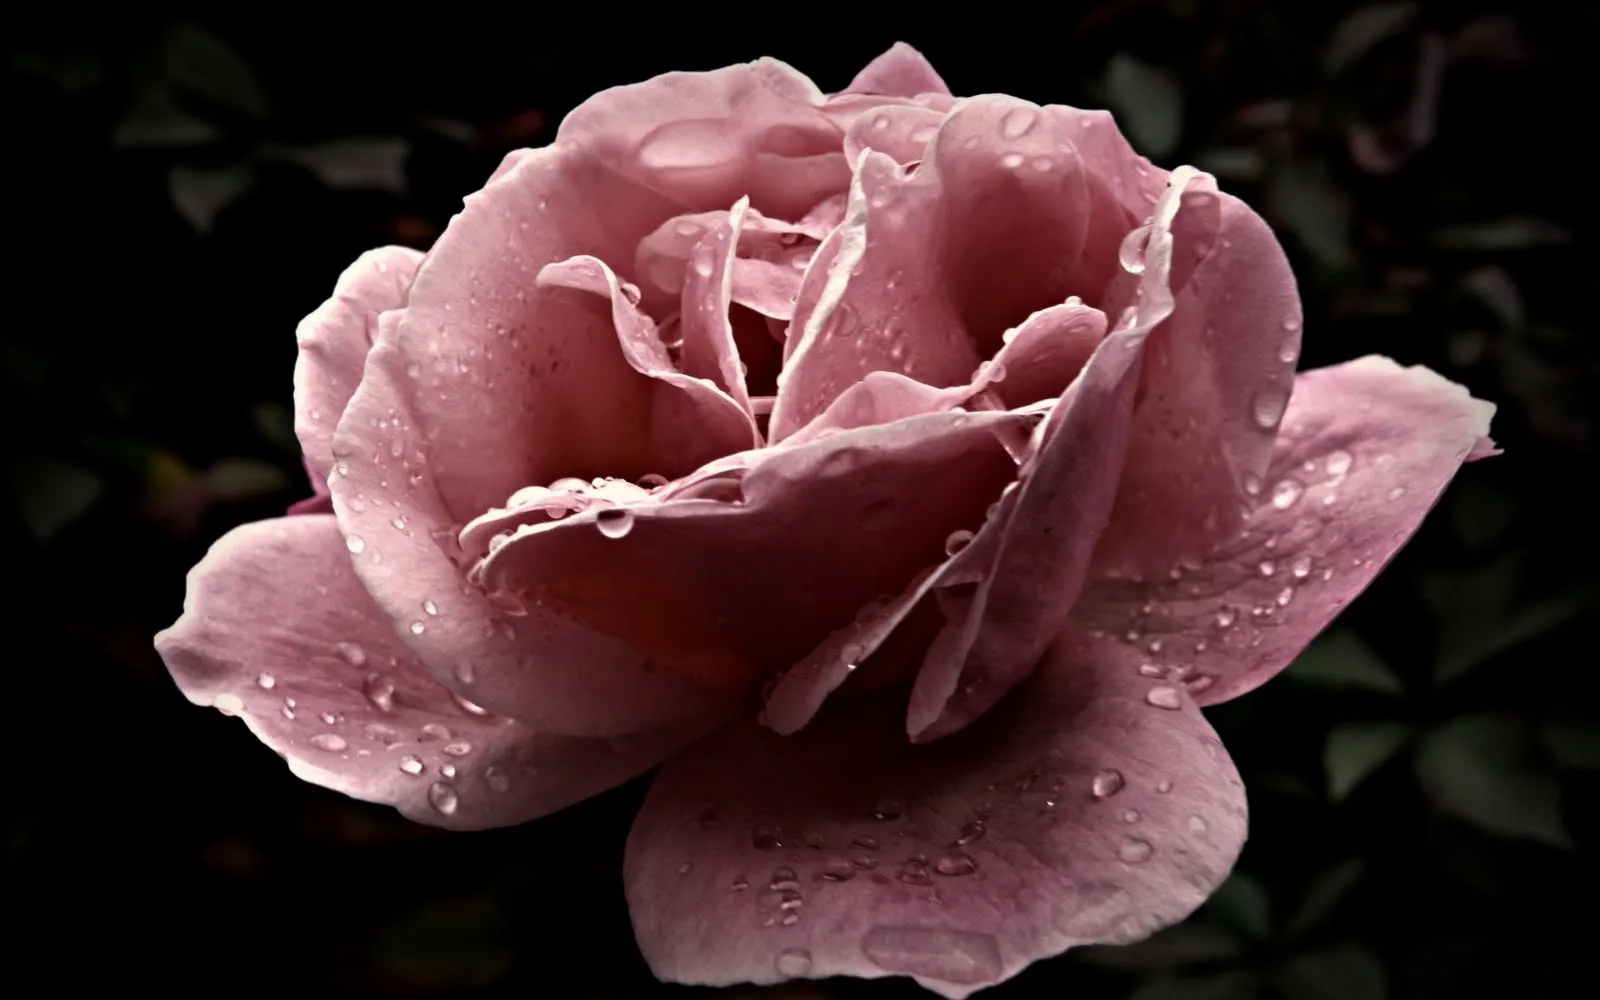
{"points": [[417, 628], [1268, 404], [971, 832], [708, 820], [1285, 493], [1397, 493], [288, 710], [471, 708], [1131, 252], [1152, 670], [1327, 574], [836, 871], [792, 962], [889, 809], [460, 748], [428, 607], [1108, 782], [1198, 825], [380, 691], [1163, 786], [956, 864], [433, 731], [398, 523], [914, 872], [1164, 697], [1012, 161], [448, 770], [1252, 484], [266, 682], [496, 778], [614, 522], [1329, 499], [1199, 682], [783, 877], [1135, 851], [934, 953], [739, 884], [1301, 568], [328, 718], [1017, 123], [1288, 352], [411, 764], [1285, 596], [1266, 568], [443, 797], [1131, 816], [1338, 462], [1226, 617], [766, 838], [331, 742], [957, 541], [355, 543], [686, 868], [228, 703]]}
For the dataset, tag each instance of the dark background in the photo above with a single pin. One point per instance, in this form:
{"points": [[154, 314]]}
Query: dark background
{"points": [[179, 192]]}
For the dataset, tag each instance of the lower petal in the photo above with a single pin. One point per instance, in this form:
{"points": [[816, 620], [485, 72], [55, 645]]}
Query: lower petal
{"points": [[1086, 808]]}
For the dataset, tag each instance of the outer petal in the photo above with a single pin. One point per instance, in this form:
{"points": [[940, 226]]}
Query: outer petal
{"points": [[1366, 450], [277, 629], [900, 72], [1078, 811], [706, 139], [489, 382], [822, 529], [334, 341], [1217, 378], [930, 266]]}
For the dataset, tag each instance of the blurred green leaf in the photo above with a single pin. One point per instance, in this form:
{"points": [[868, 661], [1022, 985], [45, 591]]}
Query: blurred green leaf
{"points": [[1148, 103], [1478, 618], [1573, 743], [275, 424], [244, 478], [451, 943], [1487, 771], [1494, 287], [198, 62], [1305, 199], [1479, 512], [1345, 973], [155, 121], [51, 493], [201, 194], [1234, 163], [1364, 28], [354, 163], [1518, 232], [1324, 894], [1339, 659], [1241, 904], [1356, 749], [1181, 944], [1221, 986]]}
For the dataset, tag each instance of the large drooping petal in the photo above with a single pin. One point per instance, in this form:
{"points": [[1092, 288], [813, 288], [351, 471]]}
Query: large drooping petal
{"points": [[1217, 377], [704, 140], [900, 72], [490, 381], [733, 591], [276, 629], [1003, 218], [334, 341], [1365, 450], [1094, 805]]}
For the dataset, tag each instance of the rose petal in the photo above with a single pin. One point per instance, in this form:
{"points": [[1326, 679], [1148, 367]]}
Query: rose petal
{"points": [[807, 547], [1046, 534], [1365, 451], [900, 72], [1216, 380], [334, 341], [277, 629], [706, 139], [709, 350], [930, 267], [1041, 356], [900, 131], [844, 851]]}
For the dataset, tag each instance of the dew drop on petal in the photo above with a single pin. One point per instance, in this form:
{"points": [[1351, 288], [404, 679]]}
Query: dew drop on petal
{"points": [[614, 522], [417, 628], [380, 691], [1164, 697], [1267, 405], [792, 962], [331, 742], [766, 838], [496, 778], [957, 541], [443, 797], [1018, 123], [1338, 462], [1107, 783], [355, 543], [1301, 568], [955, 864], [411, 764], [1285, 493], [267, 682], [1135, 851]]}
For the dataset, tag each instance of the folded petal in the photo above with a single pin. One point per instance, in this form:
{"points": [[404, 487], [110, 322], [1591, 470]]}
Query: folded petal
{"points": [[814, 532], [278, 630], [1217, 377], [900, 72], [704, 140], [1091, 806], [931, 265], [1365, 450], [334, 341]]}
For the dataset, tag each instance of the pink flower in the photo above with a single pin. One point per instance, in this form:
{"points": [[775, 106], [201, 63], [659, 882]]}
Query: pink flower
{"points": [[900, 473]]}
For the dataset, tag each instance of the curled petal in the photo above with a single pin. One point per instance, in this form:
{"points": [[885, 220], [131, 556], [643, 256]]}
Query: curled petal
{"points": [[900, 72], [277, 630], [1366, 450]]}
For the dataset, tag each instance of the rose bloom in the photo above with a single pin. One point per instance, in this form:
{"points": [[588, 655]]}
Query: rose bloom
{"points": [[901, 474]]}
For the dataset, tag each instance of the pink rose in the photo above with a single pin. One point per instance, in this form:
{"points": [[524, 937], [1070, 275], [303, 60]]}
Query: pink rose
{"points": [[900, 473]]}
